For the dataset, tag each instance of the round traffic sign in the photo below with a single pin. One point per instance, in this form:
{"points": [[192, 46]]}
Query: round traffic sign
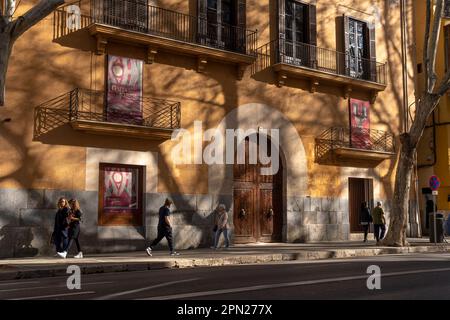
{"points": [[434, 183]]}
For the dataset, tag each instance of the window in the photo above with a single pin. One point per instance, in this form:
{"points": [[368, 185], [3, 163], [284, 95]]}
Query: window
{"points": [[359, 48], [120, 194], [297, 33], [127, 14], [222, 23], [358, 51], [447, 9], [220, 20]]}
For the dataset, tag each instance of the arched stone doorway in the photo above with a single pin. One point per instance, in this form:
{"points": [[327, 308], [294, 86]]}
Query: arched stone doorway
{"points": [[293, 163], [257, 200]]}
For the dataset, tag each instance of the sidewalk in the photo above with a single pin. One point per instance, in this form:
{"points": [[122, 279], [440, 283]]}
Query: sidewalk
{"points": [[36, 267]]}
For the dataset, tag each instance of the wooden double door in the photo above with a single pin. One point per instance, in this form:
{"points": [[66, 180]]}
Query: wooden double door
{"points": [[359, 190], [258, 204]]}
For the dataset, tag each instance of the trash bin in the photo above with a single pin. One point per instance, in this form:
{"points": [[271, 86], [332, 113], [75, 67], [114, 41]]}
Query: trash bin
{"points": [[447, 226], [439, 227]]}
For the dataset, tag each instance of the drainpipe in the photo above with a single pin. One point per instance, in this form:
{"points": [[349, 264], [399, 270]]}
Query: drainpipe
{"points": [[404, 66]]}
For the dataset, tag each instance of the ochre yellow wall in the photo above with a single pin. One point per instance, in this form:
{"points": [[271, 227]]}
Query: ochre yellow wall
{"points": [[442, 115], [41, 70]]}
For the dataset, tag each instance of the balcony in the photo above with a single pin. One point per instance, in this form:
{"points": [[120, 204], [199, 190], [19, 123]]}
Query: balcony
{"points": [[85, 110], [91, 24], [320, 66], [354, 147]]}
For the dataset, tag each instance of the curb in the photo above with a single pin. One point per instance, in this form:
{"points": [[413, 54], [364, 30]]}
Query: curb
{"points": [[57, 271]]}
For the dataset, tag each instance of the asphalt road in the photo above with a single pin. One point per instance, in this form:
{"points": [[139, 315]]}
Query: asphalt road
{"points": [[425, 276]]}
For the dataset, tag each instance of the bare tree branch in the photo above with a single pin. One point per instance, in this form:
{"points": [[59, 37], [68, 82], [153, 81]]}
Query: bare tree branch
{"points": [[432, 46], [33, 16], [426, 58]]}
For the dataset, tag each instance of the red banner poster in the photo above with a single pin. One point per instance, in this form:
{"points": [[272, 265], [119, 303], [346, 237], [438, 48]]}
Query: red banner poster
{"points": [[124, 90], [360, 124], [120, 190]]}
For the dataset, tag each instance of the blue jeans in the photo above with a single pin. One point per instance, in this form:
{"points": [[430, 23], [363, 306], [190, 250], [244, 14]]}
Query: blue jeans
{"points": [[217, 237]]}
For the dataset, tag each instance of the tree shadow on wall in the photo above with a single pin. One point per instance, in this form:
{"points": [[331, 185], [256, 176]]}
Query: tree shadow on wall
{"points": [[16, 244]]}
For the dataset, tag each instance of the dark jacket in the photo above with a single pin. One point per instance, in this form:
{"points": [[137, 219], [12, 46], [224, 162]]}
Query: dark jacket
{"points": [[378, 216], [364, 215], [74, 226], [61, 220]]}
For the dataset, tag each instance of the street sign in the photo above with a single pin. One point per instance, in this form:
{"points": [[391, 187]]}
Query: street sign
{"points": [[434, 183]]}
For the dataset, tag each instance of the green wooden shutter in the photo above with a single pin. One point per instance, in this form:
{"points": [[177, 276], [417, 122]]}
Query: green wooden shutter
{"points": [[372, 52], [241, 24], [202, 20], [281, 28], [312, 35], [344, 59]]}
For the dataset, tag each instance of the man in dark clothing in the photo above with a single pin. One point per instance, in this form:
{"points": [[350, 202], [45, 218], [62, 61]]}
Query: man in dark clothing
{"points": [[379, 222], [164, 229], [430, 206]]}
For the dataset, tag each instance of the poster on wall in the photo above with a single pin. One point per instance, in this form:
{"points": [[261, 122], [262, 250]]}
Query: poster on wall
{"points": [[360, 124], [120, 190], [124, 90]]}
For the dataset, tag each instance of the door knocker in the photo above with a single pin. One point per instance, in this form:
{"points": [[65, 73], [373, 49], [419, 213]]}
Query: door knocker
{"points": [[242, 214], [270, 214]]}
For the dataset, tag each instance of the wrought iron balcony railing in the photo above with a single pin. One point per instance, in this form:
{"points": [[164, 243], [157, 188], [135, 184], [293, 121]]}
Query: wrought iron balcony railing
{"points": [[137, 16], [89, 105], [315, 58], [354, 138]]}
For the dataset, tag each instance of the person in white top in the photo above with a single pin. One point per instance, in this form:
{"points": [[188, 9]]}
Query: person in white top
{"points": [[221, 225]]}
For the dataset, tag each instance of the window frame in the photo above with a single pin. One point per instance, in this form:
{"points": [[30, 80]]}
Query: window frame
{"points": [[121, 218]]}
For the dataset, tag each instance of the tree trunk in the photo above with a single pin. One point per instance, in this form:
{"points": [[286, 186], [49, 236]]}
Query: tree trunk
{"points": [[396, 235]]}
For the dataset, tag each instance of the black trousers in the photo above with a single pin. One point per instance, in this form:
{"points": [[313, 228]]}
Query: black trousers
{"points": [[71, 241], [366, 230], [61, 239], [164, 232], [379, 230]]}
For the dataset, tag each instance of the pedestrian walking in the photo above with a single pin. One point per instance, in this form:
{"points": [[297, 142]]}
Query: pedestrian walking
{"points": [[430, 207], [365, 219], [379, 222], [164, 229], [60, 229], [221, 226], [73, 220]]}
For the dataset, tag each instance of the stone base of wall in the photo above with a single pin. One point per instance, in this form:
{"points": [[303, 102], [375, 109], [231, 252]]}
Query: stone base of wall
{"points": [[27, 218]]}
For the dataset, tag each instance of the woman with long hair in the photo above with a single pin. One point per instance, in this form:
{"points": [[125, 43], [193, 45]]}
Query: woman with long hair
{"points": [[74, 219], [60, 230]]}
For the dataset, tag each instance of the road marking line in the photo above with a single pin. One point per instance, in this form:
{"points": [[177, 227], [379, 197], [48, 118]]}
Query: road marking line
{"points": [[55, 295], [114, 295], [48, 287], [285, 285], [12, 283]]}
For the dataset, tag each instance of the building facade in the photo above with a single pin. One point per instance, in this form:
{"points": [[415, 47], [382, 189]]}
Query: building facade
{"points": [[122, 104], [433, 155]]}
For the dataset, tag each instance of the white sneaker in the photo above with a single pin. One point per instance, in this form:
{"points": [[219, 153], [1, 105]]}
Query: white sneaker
{"points": [[79, 255], [174, 253], [62, 254], [149, 251]]}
